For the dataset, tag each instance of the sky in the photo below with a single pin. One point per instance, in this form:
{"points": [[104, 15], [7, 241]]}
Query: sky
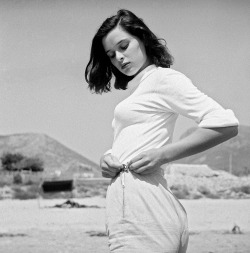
{"points": [[45, 46]]}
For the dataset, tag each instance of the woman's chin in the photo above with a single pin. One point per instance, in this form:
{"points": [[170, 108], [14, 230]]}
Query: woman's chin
{"points": [[130, 72]]}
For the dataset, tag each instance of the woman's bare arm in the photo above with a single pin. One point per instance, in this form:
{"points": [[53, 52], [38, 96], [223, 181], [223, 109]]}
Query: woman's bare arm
{"points": [[200, 140]]}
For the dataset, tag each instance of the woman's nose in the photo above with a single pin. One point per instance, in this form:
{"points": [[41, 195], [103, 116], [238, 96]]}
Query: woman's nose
{"points": [[119, 56]]}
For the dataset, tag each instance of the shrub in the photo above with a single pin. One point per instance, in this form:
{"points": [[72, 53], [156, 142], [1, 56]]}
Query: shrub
{"points": [[213, 196], [24, 193], [10, 161], [6, 178], [34, 164], [244, 188], [195, 195], [204, 190], [207, 193], [16, 161], [180, 191], [17, 179], [30, 182]]}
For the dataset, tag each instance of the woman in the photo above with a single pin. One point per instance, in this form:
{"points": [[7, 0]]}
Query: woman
{"points": [[142, 213]]}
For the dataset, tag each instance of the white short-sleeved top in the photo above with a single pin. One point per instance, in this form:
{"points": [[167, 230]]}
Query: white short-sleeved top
{"points": [[146, 118]]}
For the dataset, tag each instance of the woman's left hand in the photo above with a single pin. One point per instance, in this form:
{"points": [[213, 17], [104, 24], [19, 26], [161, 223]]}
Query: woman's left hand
{"points": [[146, 162]]}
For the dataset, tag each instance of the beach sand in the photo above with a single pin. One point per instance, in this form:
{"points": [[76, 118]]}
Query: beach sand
{"points": [[35, 226]]}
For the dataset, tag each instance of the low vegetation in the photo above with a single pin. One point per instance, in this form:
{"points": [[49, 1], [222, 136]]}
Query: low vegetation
{"points": [[19, 162], [27, 186], [21, 178]]}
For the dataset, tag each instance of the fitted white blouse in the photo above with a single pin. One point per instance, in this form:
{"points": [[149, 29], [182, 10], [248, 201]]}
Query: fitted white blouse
{"points": [[146, 119]]}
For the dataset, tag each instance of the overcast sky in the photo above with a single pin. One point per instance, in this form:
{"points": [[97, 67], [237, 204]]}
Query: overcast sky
{"points": [[44, 48]]}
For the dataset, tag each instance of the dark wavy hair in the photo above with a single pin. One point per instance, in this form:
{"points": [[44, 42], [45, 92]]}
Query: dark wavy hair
{"points": [[100, 70]]}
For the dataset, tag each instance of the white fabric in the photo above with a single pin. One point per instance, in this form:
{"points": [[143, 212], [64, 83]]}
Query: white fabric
{"points": [[146, 119], [144, 216], [142, 213]]}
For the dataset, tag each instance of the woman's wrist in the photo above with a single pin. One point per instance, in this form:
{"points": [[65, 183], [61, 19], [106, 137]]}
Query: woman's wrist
{"points": [[163, 155]]}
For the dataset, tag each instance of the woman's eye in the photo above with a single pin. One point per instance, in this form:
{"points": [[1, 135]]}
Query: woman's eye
{"points": [[123, 47]]}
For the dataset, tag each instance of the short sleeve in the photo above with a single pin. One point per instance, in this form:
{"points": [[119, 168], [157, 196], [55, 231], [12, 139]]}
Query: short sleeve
{"points": [[177, 93]]}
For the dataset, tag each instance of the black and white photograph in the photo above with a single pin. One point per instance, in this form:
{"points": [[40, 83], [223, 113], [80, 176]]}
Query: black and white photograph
{"points": [[124, 126]]}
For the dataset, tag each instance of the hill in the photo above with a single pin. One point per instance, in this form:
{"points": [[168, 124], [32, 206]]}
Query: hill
{"points": [[198, 181], [55, 155], [232, 155]]}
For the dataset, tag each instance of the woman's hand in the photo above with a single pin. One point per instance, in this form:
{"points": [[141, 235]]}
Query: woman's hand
{"points": [[110, 166], [200, 140], [146, 162]]}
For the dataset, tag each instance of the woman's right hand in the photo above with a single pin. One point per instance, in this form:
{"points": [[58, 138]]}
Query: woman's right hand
{"points": [[110, 166]]}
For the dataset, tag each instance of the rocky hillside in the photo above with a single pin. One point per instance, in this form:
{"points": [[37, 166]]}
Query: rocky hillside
{"points": [[55, 155], [232, 156], [199, 181]]}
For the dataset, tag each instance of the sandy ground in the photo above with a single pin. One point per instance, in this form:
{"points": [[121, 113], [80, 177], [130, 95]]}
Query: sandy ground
{"points": [[27, 226]]}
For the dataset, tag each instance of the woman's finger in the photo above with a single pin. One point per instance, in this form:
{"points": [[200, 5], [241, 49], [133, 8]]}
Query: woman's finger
{"points": [[111, 171], [107, 175], [110, 166], [135, 159], [141, 170], [137, 165], [112, 162]]}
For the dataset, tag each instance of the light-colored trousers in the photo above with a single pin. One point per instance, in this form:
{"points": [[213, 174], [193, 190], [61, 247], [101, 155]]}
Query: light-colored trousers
{"points": [[142, 215]]}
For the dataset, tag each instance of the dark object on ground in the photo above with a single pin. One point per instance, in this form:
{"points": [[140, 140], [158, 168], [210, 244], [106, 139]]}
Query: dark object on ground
{"points": [[57, 186], [236, 230], [72, 204], [97, 233], [12, 235]]}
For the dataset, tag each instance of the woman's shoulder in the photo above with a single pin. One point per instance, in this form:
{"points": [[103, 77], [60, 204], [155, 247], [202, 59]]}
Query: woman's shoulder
{"points": [[169, 72], [171, 76]]}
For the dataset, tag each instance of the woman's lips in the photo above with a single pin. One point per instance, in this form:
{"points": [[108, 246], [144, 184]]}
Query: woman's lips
{"points": [[125, 65]]}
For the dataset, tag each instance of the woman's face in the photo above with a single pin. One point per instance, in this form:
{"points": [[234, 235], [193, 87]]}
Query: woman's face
{"points": [[125, 51]]}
